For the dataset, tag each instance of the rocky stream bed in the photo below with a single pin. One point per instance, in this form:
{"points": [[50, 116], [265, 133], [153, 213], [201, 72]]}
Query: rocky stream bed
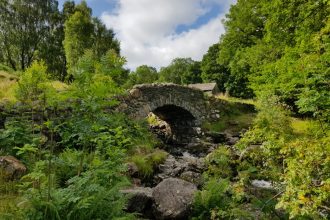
{"points": [[169, 194]]}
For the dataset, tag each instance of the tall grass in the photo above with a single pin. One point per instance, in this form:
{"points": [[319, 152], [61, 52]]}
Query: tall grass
{"points": [[234, 99], [9, 196], [234, 123], [146, 163], [8, 84], [302, 126]]}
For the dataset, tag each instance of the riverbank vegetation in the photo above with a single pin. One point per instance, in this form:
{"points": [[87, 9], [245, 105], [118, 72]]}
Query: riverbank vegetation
{"points": [[280, 51], [274, 55]]}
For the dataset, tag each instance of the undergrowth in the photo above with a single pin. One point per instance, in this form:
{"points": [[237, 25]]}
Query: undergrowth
{"points": [[146, 162], [234, 122]]}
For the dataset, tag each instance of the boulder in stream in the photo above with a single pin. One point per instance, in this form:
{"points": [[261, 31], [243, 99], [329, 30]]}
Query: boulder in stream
{"points": [[11, 167], [173, 199], [139, 199]]}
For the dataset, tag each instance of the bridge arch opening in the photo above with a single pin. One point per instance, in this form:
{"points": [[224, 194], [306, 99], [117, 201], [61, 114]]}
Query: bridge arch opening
{"points": [[176, 125]]}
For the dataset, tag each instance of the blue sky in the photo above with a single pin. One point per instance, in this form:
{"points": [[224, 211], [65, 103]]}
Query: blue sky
{"points": [[98, 6], [154, 32]]}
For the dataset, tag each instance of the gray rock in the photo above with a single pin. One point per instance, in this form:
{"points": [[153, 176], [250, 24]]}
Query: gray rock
{"points": [[136, 93], [170, 168], [232, 140], [11, 167], [140, 199], [262, 184], [192, 177], [192, 163], [173, 199], [174, 167], [217, 137], [132, 170]]}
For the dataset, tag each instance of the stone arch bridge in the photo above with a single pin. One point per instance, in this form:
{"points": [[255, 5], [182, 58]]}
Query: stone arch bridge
{"points": [[183, 108]]}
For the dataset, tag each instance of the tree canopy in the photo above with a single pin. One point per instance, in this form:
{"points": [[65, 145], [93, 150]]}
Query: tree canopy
{"points": [[37, 30], [212, 71], [25, 25], [181, 71]]}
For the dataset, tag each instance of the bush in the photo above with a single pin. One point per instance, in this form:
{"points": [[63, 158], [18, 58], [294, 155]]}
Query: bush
{"points": [[215, 202], [307, 178], [219, 163], [93, 194], [146, 163], [6, 68]]}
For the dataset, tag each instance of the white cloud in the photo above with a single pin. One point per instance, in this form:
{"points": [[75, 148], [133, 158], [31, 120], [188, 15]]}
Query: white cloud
{"points": [[146, 29]]}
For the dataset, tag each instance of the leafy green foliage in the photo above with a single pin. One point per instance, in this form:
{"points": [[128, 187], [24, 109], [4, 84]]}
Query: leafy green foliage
{"points": [[279, 47], [97, 79], [215, 202], [33, 83], [211, 70], [103, 39], [92, 194], [83, 182], [25, 26], [142, 74], [16, 133], [75, 147], [272, 130], [280, 50], [37, 30], [220, 163], [244, 27], [147, 162], [82, 32], [111, 64], [212, 199], [78, 32], [6, 68], [298, 163], [307, 178], [181, 71]]}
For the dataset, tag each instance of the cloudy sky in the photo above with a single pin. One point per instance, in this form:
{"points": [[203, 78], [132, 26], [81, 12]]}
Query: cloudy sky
{"points": [[154, 32]]}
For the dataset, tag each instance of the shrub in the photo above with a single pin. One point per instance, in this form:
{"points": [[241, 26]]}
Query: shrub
{"points": [[146, 163], [94, 194], [215, 202], [219, 163]]}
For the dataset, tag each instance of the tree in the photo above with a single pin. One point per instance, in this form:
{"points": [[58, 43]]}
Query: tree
{"points": [[193, 75], [292, 58], [111, 64], [142, 74], [103, 39], [181, 71], [52, 50], [78, 34], [244, 28], [32, 84], [68, 9], [286, 63], [211, 70], [84, 32], [24, 25]]}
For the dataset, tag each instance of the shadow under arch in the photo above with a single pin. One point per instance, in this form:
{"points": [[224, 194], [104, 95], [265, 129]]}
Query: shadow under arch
{"points": [[181, 123]]}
